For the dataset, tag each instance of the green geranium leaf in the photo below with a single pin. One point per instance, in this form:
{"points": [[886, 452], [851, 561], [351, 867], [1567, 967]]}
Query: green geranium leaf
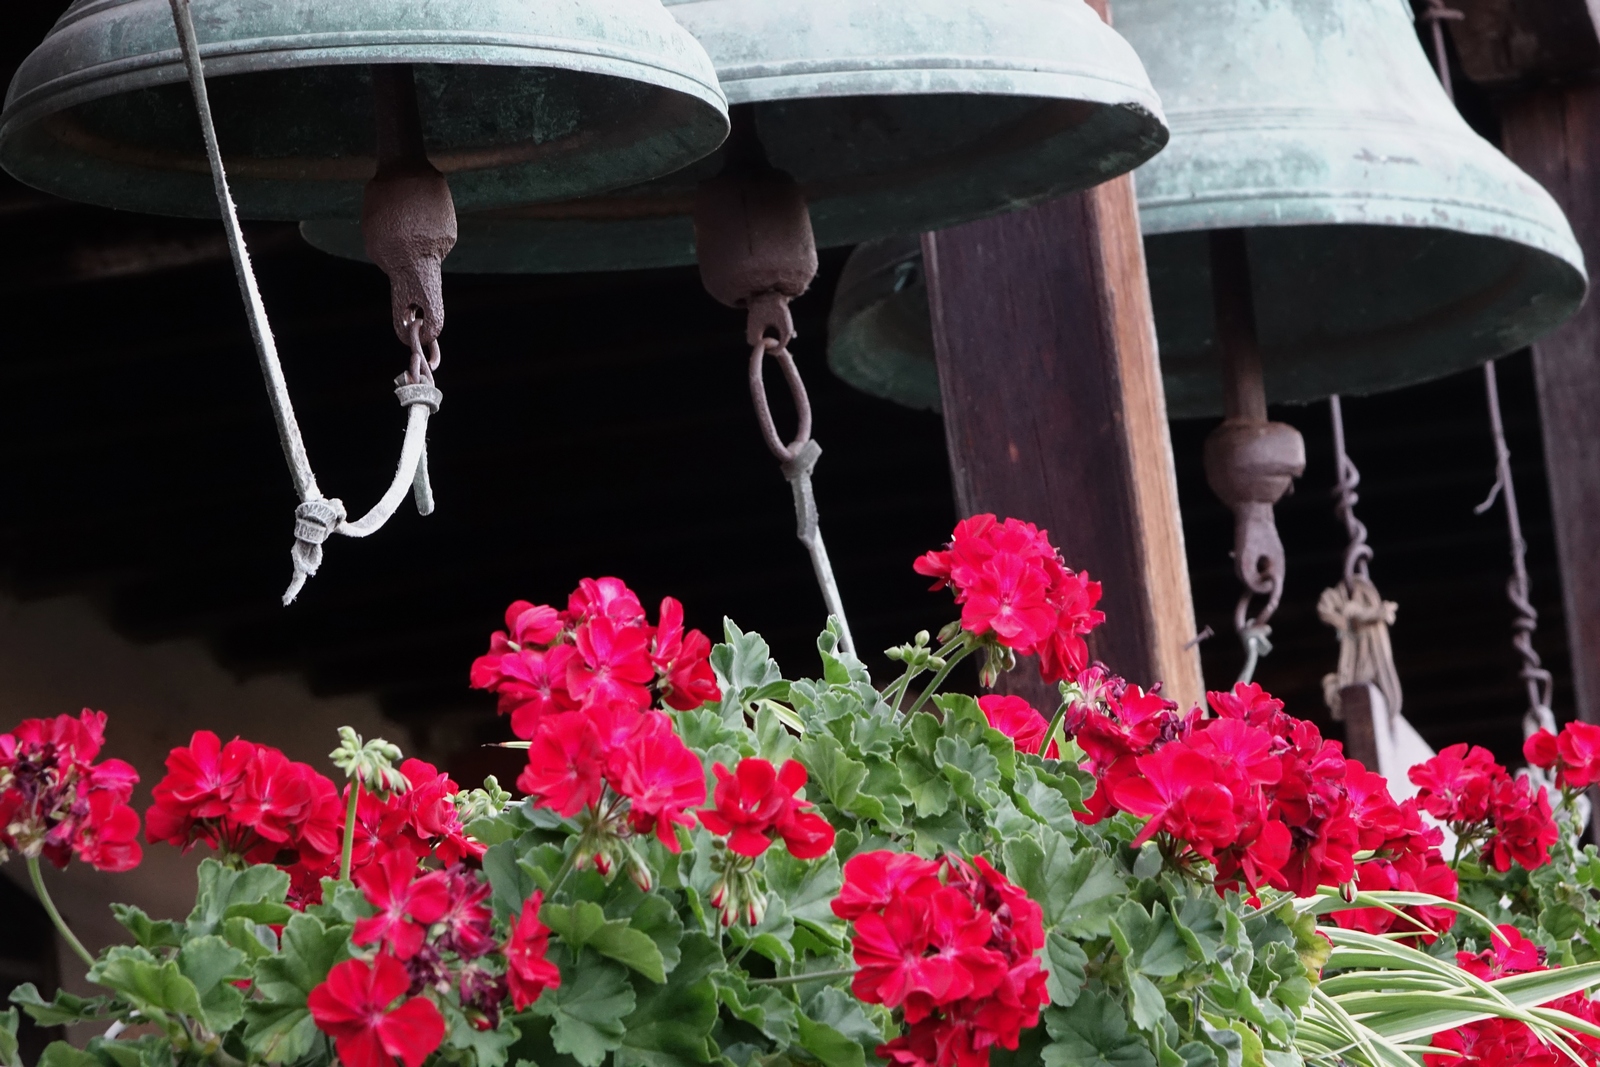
{"points": [[61, 1054], [224, 893], [65, 1008], [807, 888], [588, 1010], [846, 1015], [488, 1047], [1067, 961], [1094, 1032], [964, 766], [278, 1027], [1078, 891], [584, 925], [931, 793], [1149, 943], [774, 741], [773, 938], [156, 987], [1045, 802], [833, 772], [1149, 1006], [10, 1020], [253, 939], [148, 932], [829, 1046], [745, 669], [765, 1008], [212, 965], [652, 915], [510, 884], [671, 1026]]}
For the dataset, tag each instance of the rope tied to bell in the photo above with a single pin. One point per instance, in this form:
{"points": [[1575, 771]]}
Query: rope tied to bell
{"points": [[317, 517]]}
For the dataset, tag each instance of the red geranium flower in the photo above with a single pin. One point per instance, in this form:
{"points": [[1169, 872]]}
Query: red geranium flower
{"points": [[662, 780], [683, 661], [1018, 720], [612, 668], [756, 801], [356, 1007], [406, 904], [608, 598], [55, 802], [528, 972], [566, 764], [872, 879]]}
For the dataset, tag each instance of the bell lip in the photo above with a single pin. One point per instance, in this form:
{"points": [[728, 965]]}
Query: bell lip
{"points": [[1241, 209], [694, 79], [844, 80]]}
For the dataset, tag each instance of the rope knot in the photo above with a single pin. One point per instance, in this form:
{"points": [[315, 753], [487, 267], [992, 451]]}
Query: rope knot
{"points": [[419, 393], [314, 522], [1361, 617]]}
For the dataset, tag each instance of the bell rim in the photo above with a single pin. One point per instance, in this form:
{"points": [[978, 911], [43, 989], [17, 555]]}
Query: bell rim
{"points": [[222, 59], [838, 80]]}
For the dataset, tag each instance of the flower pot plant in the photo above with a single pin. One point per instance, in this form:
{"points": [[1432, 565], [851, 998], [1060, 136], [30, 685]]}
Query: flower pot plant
{"points": [[711, 863]]}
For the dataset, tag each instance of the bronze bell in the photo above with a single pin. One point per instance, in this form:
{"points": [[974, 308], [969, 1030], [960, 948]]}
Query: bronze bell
{"points": [[480, 104], [890, 118]]}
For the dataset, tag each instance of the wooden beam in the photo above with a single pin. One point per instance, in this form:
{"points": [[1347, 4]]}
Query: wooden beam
{"points": [[1554, 135], [1526, 42], [1054, 413]]}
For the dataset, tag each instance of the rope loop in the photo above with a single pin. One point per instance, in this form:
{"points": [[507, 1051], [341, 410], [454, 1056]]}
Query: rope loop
{"points": [[766, 346]]}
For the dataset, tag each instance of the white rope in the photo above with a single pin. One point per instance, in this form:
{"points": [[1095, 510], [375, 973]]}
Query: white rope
{"points": [[318, 516]]}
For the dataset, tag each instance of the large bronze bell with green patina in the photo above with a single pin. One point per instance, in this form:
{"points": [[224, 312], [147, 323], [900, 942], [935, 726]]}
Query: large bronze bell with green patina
{"points": [[519, 101], [888, 118], [1387, 243]]}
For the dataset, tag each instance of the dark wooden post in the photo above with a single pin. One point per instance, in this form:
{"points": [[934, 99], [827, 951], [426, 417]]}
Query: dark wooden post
{"points": [[1555, 136], [1054, 413]]}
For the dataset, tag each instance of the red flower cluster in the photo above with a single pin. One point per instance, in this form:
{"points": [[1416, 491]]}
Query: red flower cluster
{"points": [[1485, 805], [252, 801], [578, 687], [439, 925], [356, 1007], [953, 946], [1011, 582], [1254, 791], [599, 654], [1018, 720], [55, 801], [1574, 755], [755, 801], [1497, 1042]]}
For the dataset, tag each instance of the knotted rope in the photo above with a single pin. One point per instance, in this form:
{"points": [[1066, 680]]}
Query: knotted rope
{"points": [[318, 516], [1535, 678], [797, 460], [1354, 607]]}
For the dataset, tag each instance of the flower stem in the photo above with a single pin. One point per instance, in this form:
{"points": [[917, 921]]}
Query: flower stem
{"points": [[349, 830], [565, 870], [967, 649], [55, 916], [796, 979], [1055, 724]]}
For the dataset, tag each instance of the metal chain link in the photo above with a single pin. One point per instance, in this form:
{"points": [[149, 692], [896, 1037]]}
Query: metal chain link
{"points": [[797, 460]]}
